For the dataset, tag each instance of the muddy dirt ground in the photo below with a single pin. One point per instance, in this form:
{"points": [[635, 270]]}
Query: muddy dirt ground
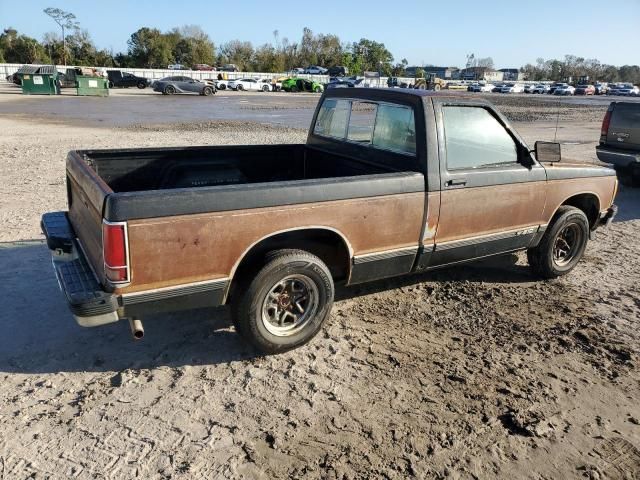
{"points": [[481, 371]]}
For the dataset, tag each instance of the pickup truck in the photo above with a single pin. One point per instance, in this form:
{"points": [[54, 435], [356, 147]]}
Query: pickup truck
{"points": [[389, 182], [620, 141], [125, 80]]}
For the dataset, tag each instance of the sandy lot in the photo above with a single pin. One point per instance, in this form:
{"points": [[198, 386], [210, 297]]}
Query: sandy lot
{"points": [[480, 371]]}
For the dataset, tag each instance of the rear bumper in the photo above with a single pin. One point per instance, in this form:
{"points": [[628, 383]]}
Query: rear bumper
{"points": [[617, 157], [90, 305]]}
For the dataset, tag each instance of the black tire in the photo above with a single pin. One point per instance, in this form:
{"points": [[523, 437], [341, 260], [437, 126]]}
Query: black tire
{"points": [[569, 229], [207, 91], [318, 90], [169, 90], [239, 88], [142, 85], [265, 88], [222, 86], [251, 311], [110, 84], [294, 89]]}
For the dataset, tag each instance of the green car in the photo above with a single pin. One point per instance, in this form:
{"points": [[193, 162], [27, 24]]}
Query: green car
{"points": [[301, 85]]}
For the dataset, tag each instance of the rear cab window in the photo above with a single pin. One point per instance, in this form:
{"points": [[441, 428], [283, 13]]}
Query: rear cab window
{"points": [[380, 125]]}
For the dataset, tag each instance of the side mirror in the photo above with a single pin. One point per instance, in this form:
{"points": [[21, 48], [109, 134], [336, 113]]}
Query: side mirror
{"points": [[547, 152]]}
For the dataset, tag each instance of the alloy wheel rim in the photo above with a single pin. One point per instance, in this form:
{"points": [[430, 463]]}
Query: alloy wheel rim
{"points": [[290, 305]]}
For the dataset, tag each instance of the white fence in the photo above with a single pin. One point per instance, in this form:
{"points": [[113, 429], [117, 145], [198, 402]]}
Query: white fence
{"points": [[155, 74]]}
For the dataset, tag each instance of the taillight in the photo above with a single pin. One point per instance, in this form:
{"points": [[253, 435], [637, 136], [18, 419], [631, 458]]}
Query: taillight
{"points": [[114, 251], [605, 123]]}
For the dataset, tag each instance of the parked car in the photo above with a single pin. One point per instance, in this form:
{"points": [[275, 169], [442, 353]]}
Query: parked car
{"points": [[270, 85], [539, 88], [585, 90], [301, 85], [564, 89], [222, 84], [528, 88], [338, 71], [295, 71], [498, 88], [228, 67], [456, 86], [249, 84], [620, 141], [269, 229], [315, 70], [179, 84], [554, 86], [176, 66], [350, 82], [601, 88], [204, 67], [512, 88], [481, 87], [125, 80], [627, 90], [14, 78]]}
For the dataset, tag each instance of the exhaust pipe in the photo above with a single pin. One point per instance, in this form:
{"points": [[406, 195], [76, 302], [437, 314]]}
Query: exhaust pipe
{"points": [[137, 329]]}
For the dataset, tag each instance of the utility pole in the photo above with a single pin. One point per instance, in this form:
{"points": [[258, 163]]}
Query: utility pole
{"points": [[64, 20]]}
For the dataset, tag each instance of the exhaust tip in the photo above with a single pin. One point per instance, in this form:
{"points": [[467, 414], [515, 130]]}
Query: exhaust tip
{"points": [[137, 329]]}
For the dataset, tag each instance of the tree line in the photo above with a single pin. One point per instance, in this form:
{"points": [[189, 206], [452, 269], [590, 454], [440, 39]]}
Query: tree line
{"points": [[190, 45]]}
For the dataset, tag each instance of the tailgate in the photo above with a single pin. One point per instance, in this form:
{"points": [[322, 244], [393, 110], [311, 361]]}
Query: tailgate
{"points": [[86, 193], [624, 129]]}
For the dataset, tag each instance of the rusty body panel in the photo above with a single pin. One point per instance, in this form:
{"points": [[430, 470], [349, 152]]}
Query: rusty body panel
{"points": [[558, 191], [191, 248], [472, 212], [432, 217]]}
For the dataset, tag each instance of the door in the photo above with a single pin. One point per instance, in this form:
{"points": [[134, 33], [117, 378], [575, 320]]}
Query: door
{"points": [[492, 190]]}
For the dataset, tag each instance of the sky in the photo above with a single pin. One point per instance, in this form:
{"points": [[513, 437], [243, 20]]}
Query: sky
{"points": [[511, 32]]}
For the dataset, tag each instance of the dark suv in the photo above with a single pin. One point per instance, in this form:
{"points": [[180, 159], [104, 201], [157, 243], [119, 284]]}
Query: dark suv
{"points": [[620, 141], [125, 80]]}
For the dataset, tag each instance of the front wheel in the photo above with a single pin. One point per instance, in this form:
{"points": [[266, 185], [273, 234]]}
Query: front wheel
{"points": [[110, 84], [562, 245], [286, 303], [318, 89], [265, 88], [239, 88], [142, 85]]}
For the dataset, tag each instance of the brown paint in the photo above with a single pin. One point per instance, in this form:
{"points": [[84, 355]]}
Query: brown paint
{"points": [[190, 248], [433, 215], [472, 212], [558, 191]]}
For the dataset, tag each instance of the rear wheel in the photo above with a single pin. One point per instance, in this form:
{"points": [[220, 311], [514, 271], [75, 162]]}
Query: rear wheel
{"points": [[318, 90], [562, 245], [294, 89], [207, 91], [286, 303], [169, 90], [110, 84], [142, 85], [239, 87], [265, 88]]}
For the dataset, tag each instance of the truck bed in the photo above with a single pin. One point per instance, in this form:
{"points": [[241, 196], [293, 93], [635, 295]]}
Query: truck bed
{"points": [[162, 169]]}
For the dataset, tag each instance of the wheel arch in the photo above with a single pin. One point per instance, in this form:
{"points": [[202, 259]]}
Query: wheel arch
{"points": [[327, 243], [588, 202]]}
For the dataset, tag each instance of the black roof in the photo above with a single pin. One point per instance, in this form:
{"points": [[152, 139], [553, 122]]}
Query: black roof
{"points": [[401, 95]]}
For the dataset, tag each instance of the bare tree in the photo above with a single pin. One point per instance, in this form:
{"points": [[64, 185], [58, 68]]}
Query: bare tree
{"points": [[64, 20]]}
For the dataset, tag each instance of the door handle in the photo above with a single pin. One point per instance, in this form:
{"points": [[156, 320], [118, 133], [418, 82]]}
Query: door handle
{"points": [[456, 182]]}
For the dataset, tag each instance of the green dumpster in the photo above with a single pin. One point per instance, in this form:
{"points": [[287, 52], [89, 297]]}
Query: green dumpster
{"points": [[39, 80], [98, 86]]}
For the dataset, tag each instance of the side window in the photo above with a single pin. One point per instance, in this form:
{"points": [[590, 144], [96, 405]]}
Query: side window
{"points": [[362, 121], [475, 139], [395, 129], [333, 118]]}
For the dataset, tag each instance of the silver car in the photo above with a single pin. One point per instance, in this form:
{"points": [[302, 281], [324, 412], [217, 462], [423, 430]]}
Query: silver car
{"points": [[180, 84]]}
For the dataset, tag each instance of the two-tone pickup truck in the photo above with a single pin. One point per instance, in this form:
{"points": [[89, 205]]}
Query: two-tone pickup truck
{"points": [[390, 182]]}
